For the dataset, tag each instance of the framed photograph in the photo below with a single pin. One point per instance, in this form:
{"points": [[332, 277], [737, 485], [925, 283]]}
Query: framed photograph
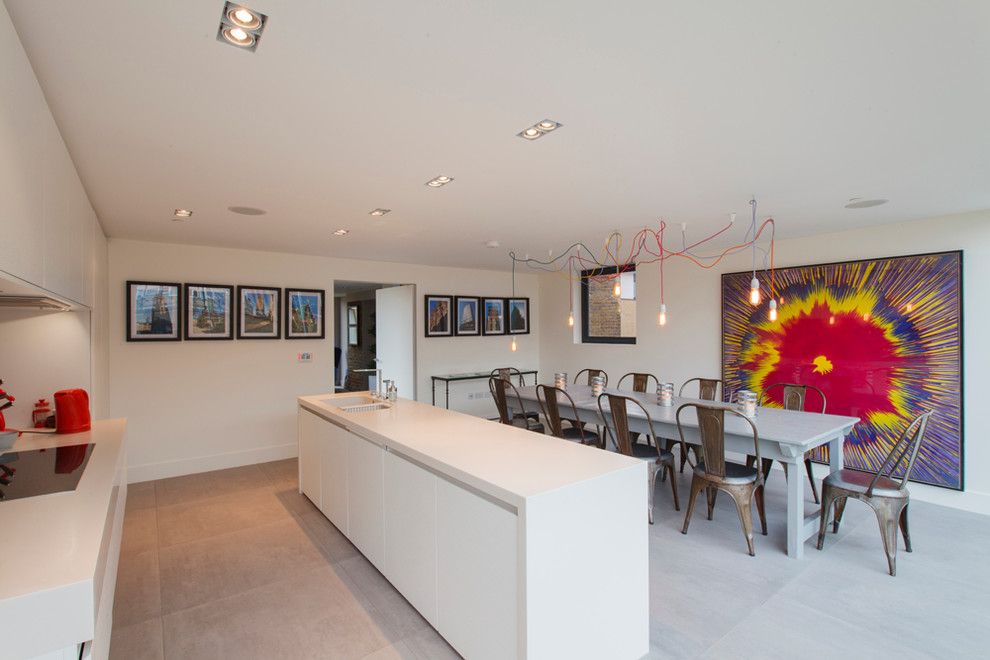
{"points": [[304, 314], [154, 311], [209, 311], [353, 324], [466, 318], [259, 312], [437, 315], [518, 315], [493, 316]]}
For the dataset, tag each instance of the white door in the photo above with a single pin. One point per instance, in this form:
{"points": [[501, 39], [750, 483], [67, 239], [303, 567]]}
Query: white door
{"points": [[395, 335]]}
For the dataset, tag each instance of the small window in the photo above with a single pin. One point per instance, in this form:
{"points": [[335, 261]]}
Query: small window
{"points": [[607, 318], [353, 324]]}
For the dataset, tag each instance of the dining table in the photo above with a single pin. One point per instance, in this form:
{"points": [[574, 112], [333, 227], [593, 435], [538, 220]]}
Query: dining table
{"points": [[783, 435]]}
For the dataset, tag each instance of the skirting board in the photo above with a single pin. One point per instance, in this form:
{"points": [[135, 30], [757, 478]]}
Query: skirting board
{"points": [[164, 470]]}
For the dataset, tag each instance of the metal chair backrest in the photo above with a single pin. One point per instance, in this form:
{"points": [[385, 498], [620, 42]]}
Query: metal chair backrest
{"points": [[548, 395], [640, 381], [909, 443], [591, 374], [711, 428], [501, 390], [506, 373], [617, 422], [707, 388], [794, 395]]}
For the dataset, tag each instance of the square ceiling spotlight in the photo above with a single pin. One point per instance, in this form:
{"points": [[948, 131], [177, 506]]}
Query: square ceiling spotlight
{"points": [[438, 181], [241, 27], [539, 129]]}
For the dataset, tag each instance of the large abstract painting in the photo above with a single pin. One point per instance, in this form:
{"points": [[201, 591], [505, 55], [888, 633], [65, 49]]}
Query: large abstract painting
{"points": [[882, 338]]}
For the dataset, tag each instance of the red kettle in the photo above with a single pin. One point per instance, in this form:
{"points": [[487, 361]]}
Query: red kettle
{"points": [[71, 411]]}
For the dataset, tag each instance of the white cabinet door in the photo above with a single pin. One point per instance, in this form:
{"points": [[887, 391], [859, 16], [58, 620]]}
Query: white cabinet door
{"points": [[476, 556], [411, 533], [309, 455], [365, 516], [333, 475]]}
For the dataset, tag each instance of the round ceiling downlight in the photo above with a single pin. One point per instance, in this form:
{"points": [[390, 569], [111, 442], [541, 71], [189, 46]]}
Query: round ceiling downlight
{"points": [[244, 18], [858, 203], [246, 210], [547, 125], [238, 37]]}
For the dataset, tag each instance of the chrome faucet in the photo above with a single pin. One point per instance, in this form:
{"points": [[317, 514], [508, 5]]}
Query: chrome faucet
{"points": [[378, 393]]}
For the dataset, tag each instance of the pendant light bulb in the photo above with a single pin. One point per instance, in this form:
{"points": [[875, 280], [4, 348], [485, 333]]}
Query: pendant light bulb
{"points": [[617, 289], [513, 347], [772, 314], [662, 316], [570, 319], [754, 292]]}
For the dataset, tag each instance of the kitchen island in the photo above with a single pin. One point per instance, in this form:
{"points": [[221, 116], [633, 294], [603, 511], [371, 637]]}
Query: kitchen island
{"points": [[58, 566], [512, 544]]}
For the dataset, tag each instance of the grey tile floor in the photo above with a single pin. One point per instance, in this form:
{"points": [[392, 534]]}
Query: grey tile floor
{"points": [[236, 564]]}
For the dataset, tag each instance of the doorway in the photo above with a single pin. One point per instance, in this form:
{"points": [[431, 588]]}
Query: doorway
{"points": [[374, 328]]}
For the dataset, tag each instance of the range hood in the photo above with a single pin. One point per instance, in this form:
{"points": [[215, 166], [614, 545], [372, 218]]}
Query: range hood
{"points": [[34, 302]]}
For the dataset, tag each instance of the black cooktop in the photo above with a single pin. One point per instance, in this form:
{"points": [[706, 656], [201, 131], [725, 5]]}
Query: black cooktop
{"points": [[42, 471]]}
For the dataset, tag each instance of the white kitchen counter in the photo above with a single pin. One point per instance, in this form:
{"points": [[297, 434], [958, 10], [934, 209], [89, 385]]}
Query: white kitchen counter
{"points": [[512, 544], [58, 559]]}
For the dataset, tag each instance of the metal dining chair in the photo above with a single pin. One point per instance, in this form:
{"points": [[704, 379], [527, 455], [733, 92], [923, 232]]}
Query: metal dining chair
{"points": [[640, 381], [501, 390], [714, 473], [794, 396], [549, 398], [707, 388], [888, 498], [508, 373], [617, 427], [591, 374]]}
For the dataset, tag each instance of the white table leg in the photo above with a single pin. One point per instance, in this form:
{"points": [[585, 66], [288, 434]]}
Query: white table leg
{"points": [[835, 454], [795, 511]]}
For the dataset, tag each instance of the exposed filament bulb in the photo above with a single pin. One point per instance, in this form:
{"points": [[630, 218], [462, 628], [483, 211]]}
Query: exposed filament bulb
{"points": [[754, 292]]}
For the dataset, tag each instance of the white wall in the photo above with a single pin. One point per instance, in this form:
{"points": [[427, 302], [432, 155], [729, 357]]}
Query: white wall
{"points": [[195, 406], [690, 344]]}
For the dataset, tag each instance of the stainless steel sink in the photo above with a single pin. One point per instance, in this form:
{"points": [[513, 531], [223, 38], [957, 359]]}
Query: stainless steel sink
{"points": [[357, 403], [368, 407]]}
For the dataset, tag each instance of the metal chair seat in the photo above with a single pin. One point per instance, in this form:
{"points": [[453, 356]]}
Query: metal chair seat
{"points": [[854, 481], [581, 435], [735, 474], [648, 452]]}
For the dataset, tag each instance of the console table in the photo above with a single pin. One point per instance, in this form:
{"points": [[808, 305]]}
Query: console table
{"points": [[447, 379]]}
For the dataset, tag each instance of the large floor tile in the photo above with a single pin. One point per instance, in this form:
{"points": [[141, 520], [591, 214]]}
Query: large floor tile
{"points": [[219, 566], [200, 519], [205, 485], [139, 641], [282, 473], [138, 594], [309, 616], [140, 531], [331, 542], [141, 496], [393, 613]]}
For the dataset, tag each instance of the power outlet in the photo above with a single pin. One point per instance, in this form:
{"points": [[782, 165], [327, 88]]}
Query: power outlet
{"points": [[304, 357]]}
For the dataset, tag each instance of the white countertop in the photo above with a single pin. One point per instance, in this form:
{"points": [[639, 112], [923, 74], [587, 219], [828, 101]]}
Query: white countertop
{"points": [[507, 463], [52, 543]]}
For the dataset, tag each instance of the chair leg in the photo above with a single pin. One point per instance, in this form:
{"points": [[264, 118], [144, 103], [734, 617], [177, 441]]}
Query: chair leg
{"points": [[840, 506], [711, 494], [673, 487], [767, 464], [744, 505], [811, 478], [827, 499], [684, 458], [653, 488], [904, 528], [758, 496], [887, 517], [696, 486]]}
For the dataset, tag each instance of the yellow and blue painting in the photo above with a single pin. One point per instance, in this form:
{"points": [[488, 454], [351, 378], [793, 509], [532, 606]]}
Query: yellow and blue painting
{"points": [[882, 338]]}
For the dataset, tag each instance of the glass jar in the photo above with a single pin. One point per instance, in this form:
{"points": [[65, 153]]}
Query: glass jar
{"points": [[560, 380], [665, 394], [746, 401], [597, 385]]}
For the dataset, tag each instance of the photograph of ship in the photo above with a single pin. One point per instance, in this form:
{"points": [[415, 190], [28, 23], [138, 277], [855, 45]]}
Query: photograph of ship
{"points": [[259, 313], [208, 311], [467, 315], [305, 314], [152, 311]]}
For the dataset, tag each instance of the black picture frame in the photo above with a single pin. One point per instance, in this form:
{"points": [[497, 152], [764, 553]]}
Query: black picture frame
{"points": [[486, 327], [587, 338], [130, 322], [320, 322], [356, 308], [509, 318], [434, 318], [467, 332], [276, 312], [189, 298]]}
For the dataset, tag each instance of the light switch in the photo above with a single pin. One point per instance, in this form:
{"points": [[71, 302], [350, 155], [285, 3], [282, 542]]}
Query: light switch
{"points": [[304, 357]]}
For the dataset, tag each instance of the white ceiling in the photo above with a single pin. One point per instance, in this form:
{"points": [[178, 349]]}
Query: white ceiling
{"points": [[673, 109]]}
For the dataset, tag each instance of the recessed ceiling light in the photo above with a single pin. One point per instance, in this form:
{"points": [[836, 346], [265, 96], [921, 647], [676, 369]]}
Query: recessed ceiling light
{"points": [[438, 181], [341, 232], [860, 203], [491, 244], [379, 212], [539, 129], [246, 210], [182, 214], [240, 26]]}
